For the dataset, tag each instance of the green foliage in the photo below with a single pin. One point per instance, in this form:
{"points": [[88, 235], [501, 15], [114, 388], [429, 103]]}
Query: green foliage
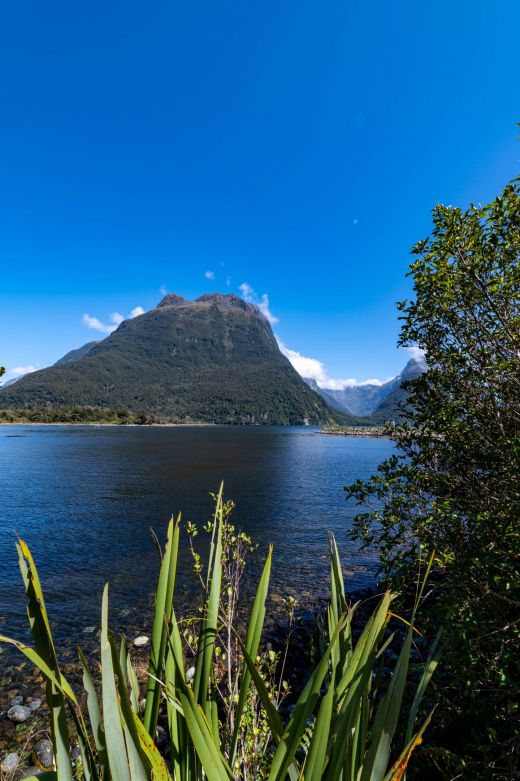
{"points": [[62, 414], [453, 484], [225, 720]]}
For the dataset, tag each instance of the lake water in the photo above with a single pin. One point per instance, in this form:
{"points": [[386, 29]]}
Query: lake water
{"points": [[84, 498]]}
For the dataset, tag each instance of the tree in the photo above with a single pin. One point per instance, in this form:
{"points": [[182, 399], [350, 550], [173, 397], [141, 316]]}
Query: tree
{"points": [[453, 485]]}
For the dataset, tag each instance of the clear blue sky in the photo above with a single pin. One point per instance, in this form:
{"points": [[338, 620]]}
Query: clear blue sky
{"points": [[298, 147]]}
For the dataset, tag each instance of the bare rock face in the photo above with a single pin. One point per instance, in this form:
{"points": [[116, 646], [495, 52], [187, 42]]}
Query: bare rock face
{"points": [[227, 300], [171, 300]]}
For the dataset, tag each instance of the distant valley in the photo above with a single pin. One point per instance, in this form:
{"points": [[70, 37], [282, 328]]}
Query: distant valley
{"points": [[376, 402]]}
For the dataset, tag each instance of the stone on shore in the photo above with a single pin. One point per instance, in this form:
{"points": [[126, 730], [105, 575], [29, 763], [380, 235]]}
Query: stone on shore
{"points": [[9, 763], [43, 754], [141, 641], [30, 771], [19, 713]]}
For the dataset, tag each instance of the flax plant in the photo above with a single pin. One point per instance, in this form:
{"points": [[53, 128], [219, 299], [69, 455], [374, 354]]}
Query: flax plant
{"points": [[343, 726]]}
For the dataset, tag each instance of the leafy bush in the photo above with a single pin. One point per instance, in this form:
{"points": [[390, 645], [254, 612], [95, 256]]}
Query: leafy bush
{"points": [[224, 719], [453, 484]]}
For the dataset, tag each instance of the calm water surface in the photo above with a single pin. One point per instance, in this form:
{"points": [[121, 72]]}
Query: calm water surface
{"points": [[84, 498]]}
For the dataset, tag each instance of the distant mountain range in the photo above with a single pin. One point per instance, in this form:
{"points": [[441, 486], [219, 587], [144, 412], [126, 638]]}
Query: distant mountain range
{"points": [[376, 402], [213, 360]]}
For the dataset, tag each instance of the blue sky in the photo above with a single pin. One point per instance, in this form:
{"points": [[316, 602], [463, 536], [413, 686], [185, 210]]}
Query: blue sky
{"points": [[294, 147]]}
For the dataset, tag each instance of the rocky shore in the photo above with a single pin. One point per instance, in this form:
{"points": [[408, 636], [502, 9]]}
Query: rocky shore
{"points": [[355, 431]]}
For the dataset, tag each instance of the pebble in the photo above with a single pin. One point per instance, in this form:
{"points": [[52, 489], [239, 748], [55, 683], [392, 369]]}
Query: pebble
{"points": [[9, 763], [35, 704], [43, 754], [19, 713], [190, 674], [141, 641], [30, 771], [161, 738], [18, 700]]}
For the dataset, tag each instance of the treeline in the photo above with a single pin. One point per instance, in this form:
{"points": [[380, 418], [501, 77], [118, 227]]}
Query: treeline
{"points": [[62, 414]]}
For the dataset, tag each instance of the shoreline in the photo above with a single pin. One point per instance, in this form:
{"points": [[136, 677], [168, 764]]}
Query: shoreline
{"points": [[375, 432]]}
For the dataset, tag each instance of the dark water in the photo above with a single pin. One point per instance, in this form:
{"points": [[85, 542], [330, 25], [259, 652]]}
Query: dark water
{"points": [[84, 498]]}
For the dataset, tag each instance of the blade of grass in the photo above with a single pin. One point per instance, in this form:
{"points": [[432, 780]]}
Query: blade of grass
{"points": [[162, 616], [115, 741], [253, 637]]}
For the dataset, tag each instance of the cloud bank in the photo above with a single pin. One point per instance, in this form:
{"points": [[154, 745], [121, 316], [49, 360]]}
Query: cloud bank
{"points": [[262, 302], [316, 370], [114, 320], [418, 354]]}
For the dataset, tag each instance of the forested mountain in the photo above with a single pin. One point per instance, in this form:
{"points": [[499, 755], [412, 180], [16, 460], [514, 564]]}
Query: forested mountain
{"points": [[214, 359]]}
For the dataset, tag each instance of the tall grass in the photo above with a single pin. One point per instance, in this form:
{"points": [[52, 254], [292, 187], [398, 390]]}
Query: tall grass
{"points": [[342, 728]]}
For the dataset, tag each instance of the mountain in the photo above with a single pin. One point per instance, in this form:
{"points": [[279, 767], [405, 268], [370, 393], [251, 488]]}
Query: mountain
{"points": [[358, 400], [379, 402], [388, 409], [213, 360], [76, 355]]}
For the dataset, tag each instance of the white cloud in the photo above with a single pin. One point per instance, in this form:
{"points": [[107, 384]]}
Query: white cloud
{"points": [[316, 370], [115, 319], [97, 325], [209, 274], [307, 367], [417, 353], [163, 290], [249, 295], [228, 280], [18, 371]]}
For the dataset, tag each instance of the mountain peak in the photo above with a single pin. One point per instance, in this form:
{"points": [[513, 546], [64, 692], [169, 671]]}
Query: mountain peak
{"points": [[227, 300], [224, 299], [171, 300]]}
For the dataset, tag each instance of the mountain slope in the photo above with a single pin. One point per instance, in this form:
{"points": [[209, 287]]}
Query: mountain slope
{"points": [[214, 359], [388, 409], [76, 355]]}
